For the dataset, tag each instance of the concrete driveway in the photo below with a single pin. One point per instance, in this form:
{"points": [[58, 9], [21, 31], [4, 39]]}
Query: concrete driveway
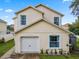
{"points": [[8, 54]]}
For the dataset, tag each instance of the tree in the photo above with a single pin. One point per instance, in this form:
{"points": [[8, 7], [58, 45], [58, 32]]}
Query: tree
{"points": [[10, 28], [74, 27], [75, 7]]}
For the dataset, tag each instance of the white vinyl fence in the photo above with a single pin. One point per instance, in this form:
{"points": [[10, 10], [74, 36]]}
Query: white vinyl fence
{"points": [[7, 37]]}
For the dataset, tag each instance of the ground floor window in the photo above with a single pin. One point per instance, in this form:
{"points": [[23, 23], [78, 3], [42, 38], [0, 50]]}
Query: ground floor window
{"points": [[54, 41]]}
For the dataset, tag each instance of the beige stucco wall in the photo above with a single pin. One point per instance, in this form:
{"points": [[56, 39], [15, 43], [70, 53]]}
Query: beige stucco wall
{"points": [[31, 16], [3, 28], [49, 15], [43, 30]]}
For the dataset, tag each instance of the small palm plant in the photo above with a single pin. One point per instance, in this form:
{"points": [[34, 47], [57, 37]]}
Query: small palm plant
{"points": [[47, 51], [55, 52], [51, 52], [60, 51], [42, 51]]}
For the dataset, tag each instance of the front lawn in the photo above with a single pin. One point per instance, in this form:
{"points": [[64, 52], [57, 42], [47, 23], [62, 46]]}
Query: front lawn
{"points": [[73, 56], [4, 47], [77, 43], [51, 57]]}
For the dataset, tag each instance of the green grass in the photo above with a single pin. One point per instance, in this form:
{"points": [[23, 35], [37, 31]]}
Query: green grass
{"points": [[77, 43], [51, 57], [73, 56], [4, 47]]}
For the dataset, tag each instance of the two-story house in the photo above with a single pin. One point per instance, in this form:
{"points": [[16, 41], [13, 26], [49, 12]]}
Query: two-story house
{"points": [[39, 28]]}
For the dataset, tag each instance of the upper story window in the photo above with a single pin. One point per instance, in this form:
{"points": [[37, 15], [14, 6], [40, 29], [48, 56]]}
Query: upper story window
{"points": [[54, 41], [56, 20], [23, 19]]}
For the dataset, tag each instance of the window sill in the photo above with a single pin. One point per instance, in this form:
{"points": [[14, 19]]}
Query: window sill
{"points": [[54, 48]]}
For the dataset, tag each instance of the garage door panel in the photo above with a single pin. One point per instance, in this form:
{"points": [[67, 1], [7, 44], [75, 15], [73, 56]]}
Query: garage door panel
{"points": [[30, 44]]}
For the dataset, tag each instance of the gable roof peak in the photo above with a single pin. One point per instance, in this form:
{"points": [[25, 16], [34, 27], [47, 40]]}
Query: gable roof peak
{"points": [[49, 9], [27, 8]]}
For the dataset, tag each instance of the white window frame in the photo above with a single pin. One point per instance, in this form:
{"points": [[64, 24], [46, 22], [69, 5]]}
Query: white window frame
{"points": [[21, 20], [59, 20], [49, 41]]}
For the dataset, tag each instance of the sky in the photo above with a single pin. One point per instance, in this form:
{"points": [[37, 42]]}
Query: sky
{"points": [[9, 7]]}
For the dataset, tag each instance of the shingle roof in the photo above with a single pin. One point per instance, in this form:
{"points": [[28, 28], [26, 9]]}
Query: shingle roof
{"points": [[45, 21], [2, 21], [28, 8], [50, 9]]}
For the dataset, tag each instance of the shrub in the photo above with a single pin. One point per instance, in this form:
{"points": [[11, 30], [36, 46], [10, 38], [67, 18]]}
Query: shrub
{"points": [[60, 51], [51, 52], [42, 51], [47, 51], [2, 40], [55, 51]]}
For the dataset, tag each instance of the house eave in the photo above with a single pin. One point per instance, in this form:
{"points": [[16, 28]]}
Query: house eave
{"points": [[50, 9], [26, 9], [47, 22]]}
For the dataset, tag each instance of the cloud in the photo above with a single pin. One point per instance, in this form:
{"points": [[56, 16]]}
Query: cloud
{"points": [[1, 9], [66, 0], [9, 10], [5, 17]]}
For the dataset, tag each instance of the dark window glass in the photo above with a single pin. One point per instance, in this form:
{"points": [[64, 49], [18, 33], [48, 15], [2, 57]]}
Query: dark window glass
{"points": [[56, 20], [23, 19], [54, 41]]}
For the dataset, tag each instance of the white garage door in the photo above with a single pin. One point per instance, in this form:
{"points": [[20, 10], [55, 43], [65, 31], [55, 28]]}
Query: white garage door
{"points": [[30, 45]]}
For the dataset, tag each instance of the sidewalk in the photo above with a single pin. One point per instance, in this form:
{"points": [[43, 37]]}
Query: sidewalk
{"points": [[7, 54]]}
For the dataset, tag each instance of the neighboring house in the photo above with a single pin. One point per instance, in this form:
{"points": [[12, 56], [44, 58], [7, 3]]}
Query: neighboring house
{"points": [[3, 31], [3, 27], [72, 38], [39, 28], [10, 33], [66, 26]]}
